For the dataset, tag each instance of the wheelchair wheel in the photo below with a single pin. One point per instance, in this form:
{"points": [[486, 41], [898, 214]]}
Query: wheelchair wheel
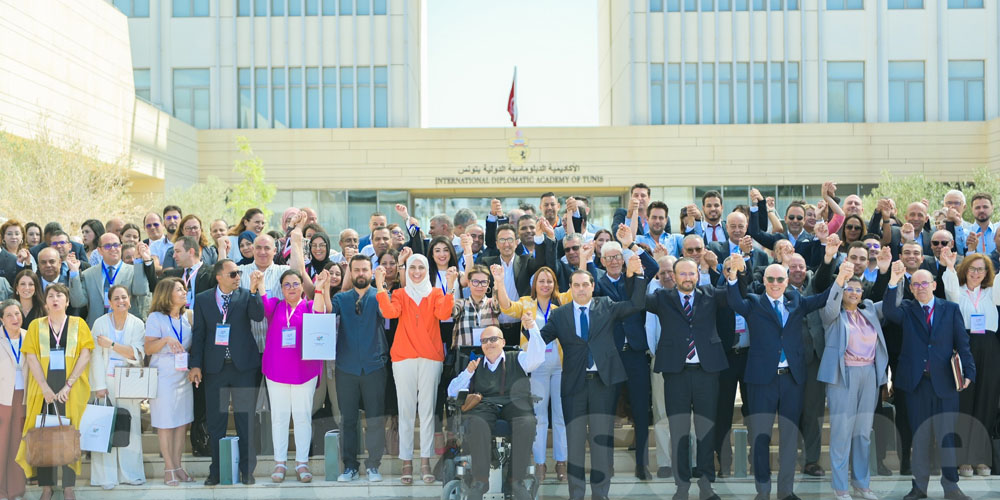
{"points": [[453, 490]]}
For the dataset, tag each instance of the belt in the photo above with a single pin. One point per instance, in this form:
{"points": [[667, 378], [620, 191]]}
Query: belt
{"points": [[692, 366], [227, 361], [589, 375], [740, 350], [628, 347], [782, 371]]}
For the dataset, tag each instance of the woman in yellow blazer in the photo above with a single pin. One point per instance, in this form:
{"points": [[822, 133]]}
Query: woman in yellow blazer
{"points": [[57, 350], [547, 378]]}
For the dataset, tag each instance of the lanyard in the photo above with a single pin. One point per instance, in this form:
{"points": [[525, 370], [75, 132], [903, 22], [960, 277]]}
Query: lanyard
{"points": [[57, 335], [107, 274], [547, 309], [290, 311], [930, 313], [17, 352], [191, 273], [441, 282], [179, 331], [479, 311], [975, 302]]}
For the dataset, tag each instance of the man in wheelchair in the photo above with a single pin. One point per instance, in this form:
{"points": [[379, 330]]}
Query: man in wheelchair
{"points": [[499, 389]]}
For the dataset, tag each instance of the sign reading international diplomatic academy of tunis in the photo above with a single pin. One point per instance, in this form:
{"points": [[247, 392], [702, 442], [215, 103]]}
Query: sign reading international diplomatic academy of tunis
{"points": [[517, 172]]}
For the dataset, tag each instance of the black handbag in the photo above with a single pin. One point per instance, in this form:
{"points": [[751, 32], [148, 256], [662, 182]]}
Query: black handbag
{"points": [[121, 431]]}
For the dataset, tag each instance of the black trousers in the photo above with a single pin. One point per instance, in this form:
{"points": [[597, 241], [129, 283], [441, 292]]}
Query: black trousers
{"points": [[813, 408], [480, 422], [783, 398], [241, 387], [639, 393], [933, 422], [726, 405], [593, 408], [691, 390], [351, 391]]}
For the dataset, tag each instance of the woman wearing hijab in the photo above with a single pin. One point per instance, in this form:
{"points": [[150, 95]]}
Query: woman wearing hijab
{"points": [[417, 355], [319, 254], [244, 244]]}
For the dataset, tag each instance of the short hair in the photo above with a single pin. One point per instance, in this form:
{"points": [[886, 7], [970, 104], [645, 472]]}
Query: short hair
{"points": [[359, 258], [653, 205], [639, 185], [290, 272], [13, 302], [172, 208], [478, 269], [590, 277], [612, 246], [955, 191], [527, 207], [795, 204], [693, 237], [219, 266], [190, 243], [442, 219], [855, 279], [507, 227], [685, 259], [58, 288], [527, 217], [857, 244], [112, 289], [982, 196], [572, 237], [128, 245], [710, 194], [50, 229], [870, 236], [314, 226], [343, 232], [463, 217], [376, 214], [547, 194], [915, 244], [963, 268]]}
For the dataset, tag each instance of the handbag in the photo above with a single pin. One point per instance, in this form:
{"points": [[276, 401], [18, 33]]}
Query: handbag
{"points": [[52, 446], [132, 382], [96, 426], [122, 430]]}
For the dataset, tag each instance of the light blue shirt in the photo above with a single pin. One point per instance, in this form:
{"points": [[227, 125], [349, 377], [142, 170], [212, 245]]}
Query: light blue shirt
{"points": [[673, 242], [986, 244]]}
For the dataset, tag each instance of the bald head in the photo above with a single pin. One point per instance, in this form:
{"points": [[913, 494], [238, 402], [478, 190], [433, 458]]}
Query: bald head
{"points": [[49, 264], [775, 281], [736, 226]]}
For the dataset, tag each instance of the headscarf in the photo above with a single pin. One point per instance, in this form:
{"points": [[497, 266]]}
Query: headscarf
{"points": [[317, 266], [417, 291], [290, 212], [245, 235]]}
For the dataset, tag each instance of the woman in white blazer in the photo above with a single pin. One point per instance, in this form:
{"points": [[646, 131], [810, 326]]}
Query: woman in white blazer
{"points": [[853, 367], [118, 338], [11, 400]]}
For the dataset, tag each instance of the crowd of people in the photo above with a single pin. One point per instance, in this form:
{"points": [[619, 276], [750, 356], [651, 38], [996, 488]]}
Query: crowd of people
{"points": [[821, 307]]}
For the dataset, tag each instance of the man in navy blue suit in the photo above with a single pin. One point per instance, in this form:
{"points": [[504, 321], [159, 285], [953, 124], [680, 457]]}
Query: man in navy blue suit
{"points": [[934, 329], [776, 370]]}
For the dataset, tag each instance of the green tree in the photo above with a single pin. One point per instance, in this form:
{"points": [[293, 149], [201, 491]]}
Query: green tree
{"points": [[206, 199], [907, 189], [253, 191]]}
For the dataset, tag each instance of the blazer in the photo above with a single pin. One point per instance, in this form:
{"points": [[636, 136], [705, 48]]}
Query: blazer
{"points": [[564, 273], [77, 248], [700, 228], [806, 245], [209, 256], [934, 346], [896, 244], [8, 373], [721, 250], [9, 267], [633, 326], [768, 338], [525, 266], [87, 288], [672, 349], [244, 307], [604, 314], [832, 367], [204, 280], [133, 336]]}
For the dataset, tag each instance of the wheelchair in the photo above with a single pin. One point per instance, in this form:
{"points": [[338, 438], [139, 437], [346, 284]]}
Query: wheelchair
{"points": [[457, 470]]}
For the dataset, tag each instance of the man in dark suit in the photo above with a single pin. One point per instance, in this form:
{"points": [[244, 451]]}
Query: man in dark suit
{"points": [[198, 277], [52, 230], [518, 270], [223, 347], [803, 242], [592, 370], [711, 227], [738, 242], [639, 195], [690, 357], [578, 256], [925, 374], [775, 372], [732, 330], [914, 229]]}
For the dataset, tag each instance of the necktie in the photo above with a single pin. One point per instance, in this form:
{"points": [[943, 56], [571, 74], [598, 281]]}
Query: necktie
{"points": [[781, 321], [187, 275], [687, 307], [927, 314], [713, 228], [226, 298], [687, 312], [585, 334]]}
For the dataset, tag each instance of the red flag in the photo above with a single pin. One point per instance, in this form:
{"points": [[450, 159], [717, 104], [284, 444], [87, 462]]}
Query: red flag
{"points": [[512, 100]]}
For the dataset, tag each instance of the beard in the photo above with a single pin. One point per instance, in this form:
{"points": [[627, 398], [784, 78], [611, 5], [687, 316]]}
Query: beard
{"points": [[360, 282]]}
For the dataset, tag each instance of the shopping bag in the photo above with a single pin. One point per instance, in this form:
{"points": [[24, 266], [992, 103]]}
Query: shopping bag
{"points": [[96, 425], [319, 336], [229, 460]]}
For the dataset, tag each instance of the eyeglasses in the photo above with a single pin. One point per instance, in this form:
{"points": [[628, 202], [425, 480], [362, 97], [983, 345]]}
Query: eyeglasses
{"points": [[873, 246], [191, 229], [173, 217], [853, 228], [473, 236], [152, 225], [775, 279], [920, 285], [854, 290], [235, 274], [58, 243], [939, 243], [111, 246], [615, 258], [977, 270], [575, 248], [492, 340], [291, 285], [506, 241], [694, 250], [318, 246], [479, 282], [794, 217]]}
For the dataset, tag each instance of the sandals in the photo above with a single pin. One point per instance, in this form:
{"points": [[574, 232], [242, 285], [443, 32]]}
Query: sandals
{"points": [[561, 471], [186, 478], [302, 471], [540, 471], [427, 474], [407, 473], [278, 475], [173, 477]]}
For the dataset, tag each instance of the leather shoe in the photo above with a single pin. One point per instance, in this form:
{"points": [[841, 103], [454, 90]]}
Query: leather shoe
{"points": [[813, 469], [762, 496], [680, 494], [722, 474], [956, 494], [713, 496], [915, 494], [247, 480], [664, 472], [791, 496], [211, 481], [882, 469], [642, 473]]}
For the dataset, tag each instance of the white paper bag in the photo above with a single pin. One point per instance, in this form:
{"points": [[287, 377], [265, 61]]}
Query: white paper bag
{"points": [[319, 337], [96, 425]]}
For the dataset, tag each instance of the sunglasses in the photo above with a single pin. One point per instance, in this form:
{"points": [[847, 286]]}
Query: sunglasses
{"points": [[479, 282], [58, 243], [939, 243], [491, 340], [921, 284], [873, 246], [153, 224], [291, 285], [235, 274], [357, 306], [173, 217], [775, 279], [853, 228], [794, 217], [574, 248], [111, 246]]}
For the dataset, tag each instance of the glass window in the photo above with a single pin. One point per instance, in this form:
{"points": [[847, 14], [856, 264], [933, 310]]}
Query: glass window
{"points": [[260, 8], [245, 115], [906, 4], [346, 7], [312, 7], [140, 77], [845, 4], [690, 5], [278, 7], [674, 93], [793, 4], [656, 94], [758, 5], [742, 103], [133, 8], [347, 97], [965, 4], [329, 7], [707, 5], [360, 205], [381, 7], [759, 93], [330, 99], [190, 8], [243, 8], [294, 7], [725, 5], [364, 7], [295, 118], [278, 98], [707, 93], [673, 5], [690, 93], [262, 102], [845, 92], [312, 98], [332, 212], [381, 96], [364, 97], [793, 93], [741, 5], [656, 5], [776, 97], [965, 90], [191, 96], [725, 93], [906, 91]]}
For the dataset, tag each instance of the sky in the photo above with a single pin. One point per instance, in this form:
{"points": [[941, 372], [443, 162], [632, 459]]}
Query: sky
{"points": [[470, 50]]}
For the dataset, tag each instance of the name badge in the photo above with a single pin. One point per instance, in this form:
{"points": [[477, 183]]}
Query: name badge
{"points": [[978, 323], [221, 334], [57, 359], [741, 324], [287, 337], [181, 361], [477, 336]]}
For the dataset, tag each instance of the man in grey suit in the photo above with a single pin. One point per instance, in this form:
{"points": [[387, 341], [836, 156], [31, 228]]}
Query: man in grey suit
{"points": [[90, 288]]}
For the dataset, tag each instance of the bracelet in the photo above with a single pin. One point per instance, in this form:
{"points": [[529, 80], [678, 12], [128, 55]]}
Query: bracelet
{"points": [[318, 292]]}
